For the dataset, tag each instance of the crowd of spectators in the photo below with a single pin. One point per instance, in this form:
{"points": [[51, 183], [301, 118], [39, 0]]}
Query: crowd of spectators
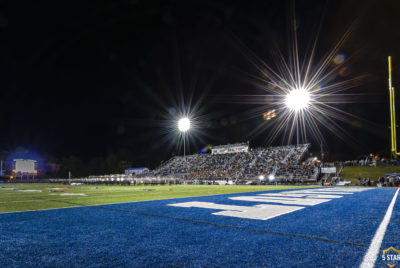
{"points": [[387, 181], [281, 162], [370, 161]]}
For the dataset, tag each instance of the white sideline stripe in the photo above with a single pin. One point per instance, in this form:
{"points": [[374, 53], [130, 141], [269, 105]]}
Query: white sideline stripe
{"points": [[373, 250]]}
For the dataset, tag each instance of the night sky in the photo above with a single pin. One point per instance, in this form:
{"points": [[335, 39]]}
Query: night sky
{"points": [[93, 78]]}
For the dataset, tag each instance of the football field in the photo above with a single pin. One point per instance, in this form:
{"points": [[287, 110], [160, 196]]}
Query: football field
{"points": [[22, 197], [306, 227]]}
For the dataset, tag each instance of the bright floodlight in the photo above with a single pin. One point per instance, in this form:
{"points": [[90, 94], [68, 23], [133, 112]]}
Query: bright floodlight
{"points": [[271, 177], [261, 177], [297, 99], [184, 124]]}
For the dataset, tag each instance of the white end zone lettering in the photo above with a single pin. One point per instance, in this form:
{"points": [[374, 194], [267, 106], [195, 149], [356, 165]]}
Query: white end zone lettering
{"points": [[258, 212], [290, 201]]}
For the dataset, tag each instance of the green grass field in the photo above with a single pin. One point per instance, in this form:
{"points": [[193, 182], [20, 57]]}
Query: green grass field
{"points": [[352, 173], [23, 197]]}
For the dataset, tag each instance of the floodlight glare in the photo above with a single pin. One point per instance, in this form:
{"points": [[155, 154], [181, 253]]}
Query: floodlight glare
{"points": [[184, 124], [271, 177], [297, 99], [261, 177]]}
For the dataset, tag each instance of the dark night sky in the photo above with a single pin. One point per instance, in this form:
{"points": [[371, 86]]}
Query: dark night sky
{"points": [[91, 78]]}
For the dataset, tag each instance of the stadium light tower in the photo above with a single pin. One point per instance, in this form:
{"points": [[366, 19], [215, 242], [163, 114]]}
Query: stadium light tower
{"points": [[184, 126], [297, 100]]}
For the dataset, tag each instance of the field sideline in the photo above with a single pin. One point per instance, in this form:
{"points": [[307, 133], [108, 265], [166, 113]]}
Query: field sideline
{"points": [[26, 197]]}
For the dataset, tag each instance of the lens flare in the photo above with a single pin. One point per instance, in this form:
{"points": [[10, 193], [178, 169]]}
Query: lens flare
{"points": [[298, 99], [340, 58], [345, 71], [271, 85]]}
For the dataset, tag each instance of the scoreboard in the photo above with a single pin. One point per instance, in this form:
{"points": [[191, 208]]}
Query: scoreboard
{"points": [[25, 166]]}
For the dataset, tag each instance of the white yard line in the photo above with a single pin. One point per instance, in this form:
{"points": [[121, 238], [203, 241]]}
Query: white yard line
{"points": [[373, 250], [55, 198], [110, 195], [126, 202]]}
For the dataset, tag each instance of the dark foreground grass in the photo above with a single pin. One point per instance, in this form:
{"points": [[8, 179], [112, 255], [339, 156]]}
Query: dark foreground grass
{"points": [[23, 197]]}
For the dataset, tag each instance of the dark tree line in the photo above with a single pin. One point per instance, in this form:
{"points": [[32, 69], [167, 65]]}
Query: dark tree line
{"points": [[110, 164], [52, 166]]}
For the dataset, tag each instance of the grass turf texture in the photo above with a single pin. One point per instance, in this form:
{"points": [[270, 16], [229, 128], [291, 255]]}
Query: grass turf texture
{"points": [[154, 234], [20, 197], [352, 173]]}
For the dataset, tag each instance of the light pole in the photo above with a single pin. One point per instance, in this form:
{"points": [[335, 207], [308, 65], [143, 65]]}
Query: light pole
{"points": [[184, 145], [184, 126]]}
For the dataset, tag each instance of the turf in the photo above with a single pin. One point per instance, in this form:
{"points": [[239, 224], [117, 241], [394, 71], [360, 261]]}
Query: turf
{"points": [[154, 234], [19, 197]]}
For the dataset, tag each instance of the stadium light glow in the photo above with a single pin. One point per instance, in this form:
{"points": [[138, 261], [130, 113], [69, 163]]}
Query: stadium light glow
{"points": [[297, 99], [261, 177], [304, 91], [184, 124], [271, 177]]}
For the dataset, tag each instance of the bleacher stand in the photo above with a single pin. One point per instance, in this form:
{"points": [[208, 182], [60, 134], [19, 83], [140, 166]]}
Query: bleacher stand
{"points": [[241, 163], [234, 163]]}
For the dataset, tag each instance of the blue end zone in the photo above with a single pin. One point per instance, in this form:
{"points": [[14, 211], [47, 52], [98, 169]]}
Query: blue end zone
{"points": [[148, 234]]}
